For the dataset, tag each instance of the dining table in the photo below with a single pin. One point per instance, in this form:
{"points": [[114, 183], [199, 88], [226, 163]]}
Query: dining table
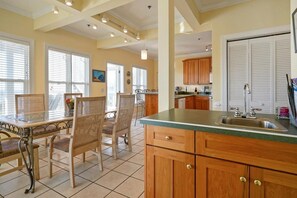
{"points": [[28, 127]]}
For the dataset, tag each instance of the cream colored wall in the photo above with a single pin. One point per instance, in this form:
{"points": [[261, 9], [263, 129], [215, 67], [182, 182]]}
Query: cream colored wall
{"points": [[293, 54], [252, 15], [23, 27]]}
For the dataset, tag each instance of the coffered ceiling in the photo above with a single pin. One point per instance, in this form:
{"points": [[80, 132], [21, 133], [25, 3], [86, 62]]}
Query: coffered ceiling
{"points": [[139, 17]]}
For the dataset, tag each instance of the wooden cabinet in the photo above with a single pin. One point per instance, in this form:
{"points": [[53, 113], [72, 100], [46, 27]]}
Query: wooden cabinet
{"points": [[196, 71], [169, 173], [202, 102], [229, 179], [186, 163], [190, 102], [151, 104], [220, 178]]}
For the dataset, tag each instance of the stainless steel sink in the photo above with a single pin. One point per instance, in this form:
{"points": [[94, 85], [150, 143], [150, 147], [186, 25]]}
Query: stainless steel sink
{"points": [[253, 123]]}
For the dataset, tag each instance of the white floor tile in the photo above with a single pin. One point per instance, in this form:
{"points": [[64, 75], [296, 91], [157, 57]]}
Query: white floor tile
{"points": [[138, 159], [14, 184], [57, 178], [139, 174], [127, 168], [66, 190], [50, 194], [111, 180], [112, 163], [39, 189], [93, 190], [114, 195], [131, 187], [94, 173]]}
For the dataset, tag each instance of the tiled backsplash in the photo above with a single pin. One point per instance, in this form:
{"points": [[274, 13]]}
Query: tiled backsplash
{"points": [[191, 88]]}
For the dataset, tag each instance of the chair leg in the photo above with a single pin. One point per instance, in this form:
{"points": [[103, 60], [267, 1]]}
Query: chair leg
{"points": [[20, 162], [50, 163], [136, 114], [99, 155], [71, 171], [36, 164], [129, 140], [84, 157], [114, 147]]}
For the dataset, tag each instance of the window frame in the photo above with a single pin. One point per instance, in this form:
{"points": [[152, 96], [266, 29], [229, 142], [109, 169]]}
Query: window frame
{"points": [[29, 86], [71, 52]]}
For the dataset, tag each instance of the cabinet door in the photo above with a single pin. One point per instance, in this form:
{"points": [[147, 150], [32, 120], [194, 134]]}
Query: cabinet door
{"points": [[266, 183], [169, 173], [186, 72], [204, 70], [151, 104], [189, 102], [193, 71], [202, 103], [219, 178]]}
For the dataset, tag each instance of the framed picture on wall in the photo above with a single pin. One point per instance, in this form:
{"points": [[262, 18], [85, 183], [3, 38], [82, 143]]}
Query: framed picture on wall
{"points": [[294, 21], [98, 75]]}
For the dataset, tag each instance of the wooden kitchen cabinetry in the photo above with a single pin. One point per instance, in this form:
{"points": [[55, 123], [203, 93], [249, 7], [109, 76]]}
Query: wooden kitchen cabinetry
{"points": [[169, 173], [220, 165], [202, 102], [190, 102], [196, 71]]}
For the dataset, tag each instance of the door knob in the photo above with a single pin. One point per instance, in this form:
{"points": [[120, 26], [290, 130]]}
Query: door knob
{"points": [[168, 137], [189, 166], [257, 182], [242, 179]]}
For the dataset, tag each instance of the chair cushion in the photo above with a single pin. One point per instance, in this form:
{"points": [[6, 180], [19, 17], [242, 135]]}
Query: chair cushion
{"points": [[9, 146], [62, 144], [107, 129]]}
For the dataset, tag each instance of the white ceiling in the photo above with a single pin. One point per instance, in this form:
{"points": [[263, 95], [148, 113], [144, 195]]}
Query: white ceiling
{"points": [[137, 15]]}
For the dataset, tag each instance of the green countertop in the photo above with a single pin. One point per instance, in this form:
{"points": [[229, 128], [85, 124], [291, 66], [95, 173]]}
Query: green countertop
{"points": [[207, 121]]}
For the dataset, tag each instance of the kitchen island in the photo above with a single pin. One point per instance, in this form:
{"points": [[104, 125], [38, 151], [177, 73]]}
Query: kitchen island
{"points": [[189, 154]]}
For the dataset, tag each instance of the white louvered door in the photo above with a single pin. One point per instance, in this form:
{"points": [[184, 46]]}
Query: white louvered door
{"points": [[237, 72], [261, 73], [263, 63], [282, 67]]}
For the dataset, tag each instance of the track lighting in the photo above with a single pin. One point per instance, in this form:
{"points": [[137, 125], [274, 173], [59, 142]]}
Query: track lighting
{"points": [[95, 27], [56, 10], [125, 40], [111, 34], [137, 36], [125, 30]]}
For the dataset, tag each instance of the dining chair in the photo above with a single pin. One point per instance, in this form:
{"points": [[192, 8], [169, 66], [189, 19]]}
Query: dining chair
{"points": [[140, 105], [121, 126], [33, 103], [85, 135], [9, 151]]}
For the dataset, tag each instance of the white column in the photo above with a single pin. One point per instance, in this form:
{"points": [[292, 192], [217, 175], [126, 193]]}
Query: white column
{"points": [[165, 54]]}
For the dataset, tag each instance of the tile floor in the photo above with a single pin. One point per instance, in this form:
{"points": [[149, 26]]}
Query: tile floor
{"points": [[123, 177]]}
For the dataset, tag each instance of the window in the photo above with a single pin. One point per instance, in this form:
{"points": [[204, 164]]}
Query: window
{"points": [[14, 72], [139, 78], [115, 84], [67, 72]]}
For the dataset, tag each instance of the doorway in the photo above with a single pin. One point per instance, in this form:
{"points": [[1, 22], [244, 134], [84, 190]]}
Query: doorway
{"points": [[115, 84]]}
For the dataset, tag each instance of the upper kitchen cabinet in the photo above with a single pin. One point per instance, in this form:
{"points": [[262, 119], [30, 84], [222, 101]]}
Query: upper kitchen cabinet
{"points": [[197, 71]]}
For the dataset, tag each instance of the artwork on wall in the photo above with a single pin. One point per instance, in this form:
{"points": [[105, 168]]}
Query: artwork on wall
{"points": [[294, 21], [98, 75]]}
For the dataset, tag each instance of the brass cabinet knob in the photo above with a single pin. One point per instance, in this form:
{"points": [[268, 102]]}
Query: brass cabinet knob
{"points": [[257, 182], [242, 179], [168, 137], [189, 166]]}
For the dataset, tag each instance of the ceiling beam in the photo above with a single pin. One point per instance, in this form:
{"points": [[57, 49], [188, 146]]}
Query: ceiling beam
{"points": [[189, 11], [82, 10]]}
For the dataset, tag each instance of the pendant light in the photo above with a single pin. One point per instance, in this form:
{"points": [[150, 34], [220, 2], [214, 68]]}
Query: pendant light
{"points": [[144, 54]]}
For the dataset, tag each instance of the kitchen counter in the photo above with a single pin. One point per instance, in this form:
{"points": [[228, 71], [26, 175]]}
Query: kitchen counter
{"points": [[207, 121]]}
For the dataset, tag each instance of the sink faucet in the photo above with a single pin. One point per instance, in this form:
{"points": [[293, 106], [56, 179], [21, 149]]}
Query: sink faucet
{"points": [[246, 90]]}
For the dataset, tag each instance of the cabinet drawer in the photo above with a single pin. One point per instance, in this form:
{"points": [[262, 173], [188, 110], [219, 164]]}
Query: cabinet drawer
{"points": [[263, 153], [172, 138]]}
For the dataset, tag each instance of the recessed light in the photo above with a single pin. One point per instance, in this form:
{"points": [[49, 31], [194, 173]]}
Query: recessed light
{"points": [[68, 2], [126, 41]]}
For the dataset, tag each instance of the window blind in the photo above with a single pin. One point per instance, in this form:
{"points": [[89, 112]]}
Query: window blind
{"points": [[14, 72], [67, 72]]}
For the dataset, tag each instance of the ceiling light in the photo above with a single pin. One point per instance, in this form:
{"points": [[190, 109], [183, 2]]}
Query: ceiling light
{"points": [[208, 48], [125, 30], [111, 34], [94, 27], [56, 10], [138, 36], [104, 20], [68, 2], [143, 54], [126, 41]]}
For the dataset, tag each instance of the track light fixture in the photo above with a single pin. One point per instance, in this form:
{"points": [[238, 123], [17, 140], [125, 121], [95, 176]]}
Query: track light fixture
{"points": [[125, 40], [111, 34], [56, 10], [208, 48], [95, 27], [138, 36], [125, 30]]}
